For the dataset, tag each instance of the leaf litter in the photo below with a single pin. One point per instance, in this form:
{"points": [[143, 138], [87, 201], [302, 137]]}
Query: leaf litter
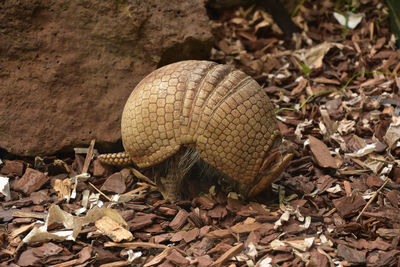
{"points": [[335, 87]]}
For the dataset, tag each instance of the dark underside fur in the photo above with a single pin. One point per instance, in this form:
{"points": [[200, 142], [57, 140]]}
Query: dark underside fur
{"points": [[188, 164]]}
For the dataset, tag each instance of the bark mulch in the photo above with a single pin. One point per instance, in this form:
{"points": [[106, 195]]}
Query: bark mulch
{"points": [[336, 90]]}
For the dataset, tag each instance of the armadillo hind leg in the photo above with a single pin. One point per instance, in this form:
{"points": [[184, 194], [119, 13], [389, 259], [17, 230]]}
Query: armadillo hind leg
{"points": [[170, 174], [116, 159]]}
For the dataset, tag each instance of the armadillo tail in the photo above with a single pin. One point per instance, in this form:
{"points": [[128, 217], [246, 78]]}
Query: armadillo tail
{"points": [[116, 159]]}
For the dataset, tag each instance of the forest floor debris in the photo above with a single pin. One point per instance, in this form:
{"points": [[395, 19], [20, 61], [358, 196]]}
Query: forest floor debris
{"points": [[336, 90]]}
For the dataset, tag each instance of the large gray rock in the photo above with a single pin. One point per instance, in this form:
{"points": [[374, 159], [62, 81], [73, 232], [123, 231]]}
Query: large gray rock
{"points": [[67, 67]]}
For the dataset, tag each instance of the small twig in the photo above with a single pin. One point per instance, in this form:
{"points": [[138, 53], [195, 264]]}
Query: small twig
{"points": [[89, 156], [372, 198], [98, 190], [329, 213], [135, 245], [86, 164], [139, 175], [137, 190], [232, 252], [320, 250], [158, 258], [151, 187]]}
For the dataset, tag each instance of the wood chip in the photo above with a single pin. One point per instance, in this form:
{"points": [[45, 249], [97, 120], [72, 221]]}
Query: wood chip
{"points": [[113, 230], [228, 255], [322, 154]]}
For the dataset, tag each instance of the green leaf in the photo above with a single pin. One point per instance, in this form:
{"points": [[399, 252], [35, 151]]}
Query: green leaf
{"points": [[306, 69]]}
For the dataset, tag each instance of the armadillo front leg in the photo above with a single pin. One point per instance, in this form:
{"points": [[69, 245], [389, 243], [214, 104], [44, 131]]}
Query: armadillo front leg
{"points": [[170, 185], [170, 174]]}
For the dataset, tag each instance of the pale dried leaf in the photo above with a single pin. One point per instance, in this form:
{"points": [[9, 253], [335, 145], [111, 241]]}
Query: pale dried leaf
{"points": [[346, 126], [63, 188], [334, 189], [113, 230], [393, 132], [303, 244], [352, 21], [5, 188], [368, 149], [313, 56]]}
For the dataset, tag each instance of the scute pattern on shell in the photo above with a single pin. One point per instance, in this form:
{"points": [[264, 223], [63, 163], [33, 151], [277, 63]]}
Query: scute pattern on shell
{"points": [[217, 110]]}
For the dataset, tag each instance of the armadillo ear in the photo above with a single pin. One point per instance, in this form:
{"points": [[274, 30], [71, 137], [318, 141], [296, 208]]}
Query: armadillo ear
{"points": [[268, 160]]}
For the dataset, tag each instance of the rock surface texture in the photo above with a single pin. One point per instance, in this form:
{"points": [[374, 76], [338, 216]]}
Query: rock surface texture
{"points": [[67, 68]]}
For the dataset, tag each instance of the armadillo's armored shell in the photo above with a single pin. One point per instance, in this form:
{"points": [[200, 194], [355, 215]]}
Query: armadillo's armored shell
{"points": [[221, 112]]}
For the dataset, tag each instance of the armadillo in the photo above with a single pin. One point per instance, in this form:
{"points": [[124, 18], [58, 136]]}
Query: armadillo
{"points": [[200, 111]]}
